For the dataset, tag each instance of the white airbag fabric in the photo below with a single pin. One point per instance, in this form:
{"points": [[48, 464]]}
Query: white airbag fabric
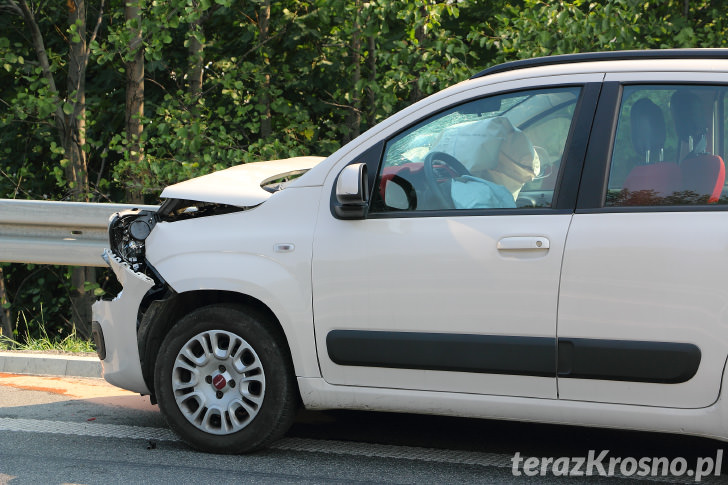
{"points": [[474, 193]]}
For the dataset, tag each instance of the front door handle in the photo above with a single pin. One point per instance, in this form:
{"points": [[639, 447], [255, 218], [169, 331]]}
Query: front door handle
{"points": [[517, 243]]}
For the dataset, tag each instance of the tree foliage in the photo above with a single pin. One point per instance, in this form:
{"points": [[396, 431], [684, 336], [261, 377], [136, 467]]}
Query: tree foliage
{"points": [[223, 82], [543, 28]]}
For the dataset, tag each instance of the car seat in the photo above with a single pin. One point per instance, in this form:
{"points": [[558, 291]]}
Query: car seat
{"points": [[653, 179], [703, 173]]}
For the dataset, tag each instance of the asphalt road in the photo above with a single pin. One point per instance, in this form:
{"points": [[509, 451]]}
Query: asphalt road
{"points": [[66, 430]]}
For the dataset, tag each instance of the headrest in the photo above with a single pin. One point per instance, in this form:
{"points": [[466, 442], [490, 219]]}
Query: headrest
{"points": [[685, 108], [648, 127]]}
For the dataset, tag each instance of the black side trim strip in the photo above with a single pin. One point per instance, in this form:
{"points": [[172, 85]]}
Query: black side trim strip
{"points": [[628, 360], [490, 354], [578, 358]]}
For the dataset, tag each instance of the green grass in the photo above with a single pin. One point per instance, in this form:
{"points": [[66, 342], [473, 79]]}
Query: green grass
{"points": [[70, 343]]}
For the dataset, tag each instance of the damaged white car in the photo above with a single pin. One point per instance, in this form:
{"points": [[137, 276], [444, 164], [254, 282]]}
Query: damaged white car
{"points": [[544, 241]]}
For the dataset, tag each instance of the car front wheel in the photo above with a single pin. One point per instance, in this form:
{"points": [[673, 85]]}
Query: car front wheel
{"points": [[224, 381]]}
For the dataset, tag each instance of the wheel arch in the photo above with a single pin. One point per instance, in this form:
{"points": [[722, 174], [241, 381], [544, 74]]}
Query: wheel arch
{"points": [[162, 315]]}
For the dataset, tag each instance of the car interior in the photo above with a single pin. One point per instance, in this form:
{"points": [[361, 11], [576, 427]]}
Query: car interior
{"points": [[493, 153], [670, 163]]}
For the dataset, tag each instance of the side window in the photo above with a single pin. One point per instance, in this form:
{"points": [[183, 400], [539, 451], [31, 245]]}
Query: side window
{"points": [[498, 152], [668, 147]]}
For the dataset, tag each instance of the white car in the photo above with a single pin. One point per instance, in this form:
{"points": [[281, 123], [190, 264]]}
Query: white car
{"points": [[547, 241]]}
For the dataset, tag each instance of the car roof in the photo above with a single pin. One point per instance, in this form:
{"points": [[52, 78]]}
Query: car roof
{"points": [[588, 57]]}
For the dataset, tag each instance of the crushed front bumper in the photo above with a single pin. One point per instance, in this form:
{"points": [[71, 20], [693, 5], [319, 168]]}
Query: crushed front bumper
{"points": [[118, 322]]}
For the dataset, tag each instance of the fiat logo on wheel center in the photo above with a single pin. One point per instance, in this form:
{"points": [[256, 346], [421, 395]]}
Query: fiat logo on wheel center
{"points": [[219, 381]]}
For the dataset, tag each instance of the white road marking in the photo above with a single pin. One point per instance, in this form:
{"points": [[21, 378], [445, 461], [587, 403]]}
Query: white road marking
{"points": [[286, 444], [348, 448], [86, 429], [394, 451]]}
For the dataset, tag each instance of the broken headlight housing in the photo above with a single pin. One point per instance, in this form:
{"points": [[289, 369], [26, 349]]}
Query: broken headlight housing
{"points": [[127, 232], [129, 229]]}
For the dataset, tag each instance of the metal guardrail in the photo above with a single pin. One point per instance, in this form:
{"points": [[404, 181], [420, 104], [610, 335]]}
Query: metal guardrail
{"points": [[48, 232]]}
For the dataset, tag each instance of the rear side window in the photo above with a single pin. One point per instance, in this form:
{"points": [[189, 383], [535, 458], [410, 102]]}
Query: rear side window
{"points": [[669, 147]]}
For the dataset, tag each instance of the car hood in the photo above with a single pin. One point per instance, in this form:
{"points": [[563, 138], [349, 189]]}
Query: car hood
{"points": [[240, 185]]}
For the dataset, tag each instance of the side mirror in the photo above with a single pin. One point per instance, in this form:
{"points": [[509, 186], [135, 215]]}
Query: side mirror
{"points": [[399, 194], [352, 192]]}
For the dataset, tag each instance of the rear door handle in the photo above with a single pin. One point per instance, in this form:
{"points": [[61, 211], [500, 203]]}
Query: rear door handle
{"points": [[523, 243]]}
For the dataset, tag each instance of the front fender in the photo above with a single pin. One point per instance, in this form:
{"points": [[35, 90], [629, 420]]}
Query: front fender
{"points": [[274, 286], [263, 253]]}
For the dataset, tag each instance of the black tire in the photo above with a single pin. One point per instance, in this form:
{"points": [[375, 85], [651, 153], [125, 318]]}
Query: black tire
{"points": [[253, 408]]}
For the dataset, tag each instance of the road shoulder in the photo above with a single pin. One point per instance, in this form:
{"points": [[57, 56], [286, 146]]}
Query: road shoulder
{"points": [[49, 364]]}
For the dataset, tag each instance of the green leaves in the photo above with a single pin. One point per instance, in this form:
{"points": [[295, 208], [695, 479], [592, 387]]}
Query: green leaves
{"points": [[546, 28], [328, 69]]}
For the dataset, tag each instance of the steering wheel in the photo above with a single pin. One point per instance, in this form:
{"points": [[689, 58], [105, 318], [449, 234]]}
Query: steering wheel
{"points": [[453, 167]]}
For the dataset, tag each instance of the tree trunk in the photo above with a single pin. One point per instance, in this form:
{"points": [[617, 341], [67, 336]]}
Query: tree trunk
{"points": [[416, 93], [266, 124], [196, 54], [135, 93], [372, 79], [74, 142], [74, 138], [40, 51], [7, 326], [70, 119], [82, 300], [353, 118]]}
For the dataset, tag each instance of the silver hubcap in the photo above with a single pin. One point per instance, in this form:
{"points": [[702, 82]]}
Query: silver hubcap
{"points": [[218, 382]]}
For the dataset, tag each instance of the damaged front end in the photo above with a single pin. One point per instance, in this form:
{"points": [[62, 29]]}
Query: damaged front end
{"points": [[129, 329], [114, 327], [128, 230], [116, 322]]}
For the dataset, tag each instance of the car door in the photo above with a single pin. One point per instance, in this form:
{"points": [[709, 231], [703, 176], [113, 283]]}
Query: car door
{"points": [[642, 308], [451, 281]]}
